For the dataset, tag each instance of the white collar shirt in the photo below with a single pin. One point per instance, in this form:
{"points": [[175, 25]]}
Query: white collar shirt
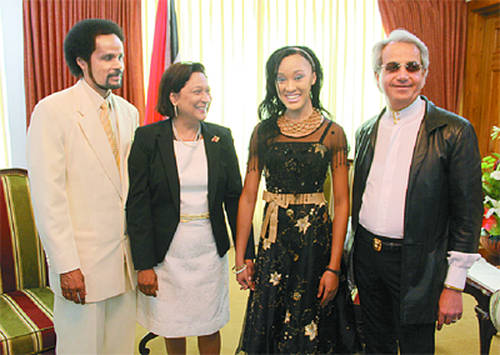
{"points": [[384, 198]]}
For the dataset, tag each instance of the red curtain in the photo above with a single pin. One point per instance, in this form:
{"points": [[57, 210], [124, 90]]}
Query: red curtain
{"points": [[442, 26], [46, 23]]}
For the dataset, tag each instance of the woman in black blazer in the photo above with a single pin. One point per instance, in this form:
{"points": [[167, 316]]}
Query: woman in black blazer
{"points": [[182, 172]]}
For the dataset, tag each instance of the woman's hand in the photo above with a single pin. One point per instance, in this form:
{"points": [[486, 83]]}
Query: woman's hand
{"points": [[147, 282], [328, 287], [245, 278]]}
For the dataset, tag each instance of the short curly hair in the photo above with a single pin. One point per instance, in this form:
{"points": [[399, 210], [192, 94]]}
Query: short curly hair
{"points": [[80, 40]]}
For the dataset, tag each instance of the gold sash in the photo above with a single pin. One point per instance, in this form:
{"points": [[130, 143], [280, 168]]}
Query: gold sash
{"points": [[275, 201]]}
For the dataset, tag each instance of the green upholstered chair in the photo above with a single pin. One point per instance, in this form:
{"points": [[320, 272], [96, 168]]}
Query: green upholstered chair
{"points": [[26, 302]]}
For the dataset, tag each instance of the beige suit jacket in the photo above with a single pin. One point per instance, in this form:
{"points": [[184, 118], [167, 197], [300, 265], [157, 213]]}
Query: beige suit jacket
{"points": [[78, 192]]}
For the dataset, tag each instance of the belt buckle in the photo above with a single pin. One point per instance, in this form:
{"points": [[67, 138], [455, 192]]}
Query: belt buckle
{"points": [[377, 244]]}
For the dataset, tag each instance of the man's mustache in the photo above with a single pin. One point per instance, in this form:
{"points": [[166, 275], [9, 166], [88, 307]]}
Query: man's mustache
{"points": [[116, 73]]}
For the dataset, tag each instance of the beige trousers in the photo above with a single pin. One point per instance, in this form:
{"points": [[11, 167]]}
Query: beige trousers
{"points": [[105, 327]]}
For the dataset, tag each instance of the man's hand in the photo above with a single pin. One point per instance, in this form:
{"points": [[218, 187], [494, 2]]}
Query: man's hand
{"points": [[147, 282], [73, 286], [450, 307]]}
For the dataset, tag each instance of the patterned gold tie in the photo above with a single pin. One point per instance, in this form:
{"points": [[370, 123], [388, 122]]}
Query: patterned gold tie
{"points": [[106, 124]]}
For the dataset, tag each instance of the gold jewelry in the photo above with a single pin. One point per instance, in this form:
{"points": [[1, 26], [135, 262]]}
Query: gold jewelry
{"points": [[179, 138], [396, 116], [300, 128], [449, 287], [176, 111]]}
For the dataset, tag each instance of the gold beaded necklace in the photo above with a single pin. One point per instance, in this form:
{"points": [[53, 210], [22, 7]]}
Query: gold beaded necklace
{"points": [[300, 128]]}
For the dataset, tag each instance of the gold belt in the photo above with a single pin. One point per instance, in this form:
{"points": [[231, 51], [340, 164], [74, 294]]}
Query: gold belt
{"points": [[275, 201], [194, 217]]}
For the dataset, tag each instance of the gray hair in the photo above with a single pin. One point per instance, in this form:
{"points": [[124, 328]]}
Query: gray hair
{"points": [[399, 35]]}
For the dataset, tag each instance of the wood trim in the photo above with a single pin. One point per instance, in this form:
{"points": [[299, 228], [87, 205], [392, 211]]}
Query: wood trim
{"points": [[481, 72], [13, 171], [485, 7]]}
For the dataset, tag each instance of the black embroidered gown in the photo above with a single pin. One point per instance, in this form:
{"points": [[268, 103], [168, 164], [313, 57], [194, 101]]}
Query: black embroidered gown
{"points": [[283, 313]]}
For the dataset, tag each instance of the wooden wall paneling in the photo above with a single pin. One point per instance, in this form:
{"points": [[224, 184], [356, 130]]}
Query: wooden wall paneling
{"points": [[481, 96], [493, 84], [472, 87]]}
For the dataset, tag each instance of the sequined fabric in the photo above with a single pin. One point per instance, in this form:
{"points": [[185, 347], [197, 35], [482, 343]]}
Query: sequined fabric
{"points": [[283, 313]]}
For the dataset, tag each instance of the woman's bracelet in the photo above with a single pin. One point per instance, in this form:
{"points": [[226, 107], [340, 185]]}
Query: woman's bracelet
{"points": [[336, 272], [239, 269]]}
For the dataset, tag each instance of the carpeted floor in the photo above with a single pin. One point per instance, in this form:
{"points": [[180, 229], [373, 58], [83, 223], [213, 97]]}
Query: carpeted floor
{"points": [[460, 339]]}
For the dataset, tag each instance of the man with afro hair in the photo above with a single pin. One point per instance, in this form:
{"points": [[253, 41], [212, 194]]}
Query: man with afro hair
{"points": [[78, 142]]}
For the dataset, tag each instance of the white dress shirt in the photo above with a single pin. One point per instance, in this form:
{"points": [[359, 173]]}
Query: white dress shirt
{"points": [[384, 198]]}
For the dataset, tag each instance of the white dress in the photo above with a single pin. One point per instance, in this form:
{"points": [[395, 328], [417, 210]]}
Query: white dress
{"points": [[193, 297]]}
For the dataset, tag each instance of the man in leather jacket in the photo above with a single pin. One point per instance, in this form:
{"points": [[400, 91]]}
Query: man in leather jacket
{"points": [[417, 206]]}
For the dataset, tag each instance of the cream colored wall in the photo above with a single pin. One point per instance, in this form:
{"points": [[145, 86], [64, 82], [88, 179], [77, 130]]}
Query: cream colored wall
{"points": [[12, 37]]}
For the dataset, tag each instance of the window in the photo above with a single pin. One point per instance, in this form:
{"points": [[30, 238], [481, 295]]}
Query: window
{"points": [[234, 38]]}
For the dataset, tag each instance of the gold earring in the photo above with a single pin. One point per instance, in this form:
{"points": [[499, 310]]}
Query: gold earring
{"points": [[176, 112]]}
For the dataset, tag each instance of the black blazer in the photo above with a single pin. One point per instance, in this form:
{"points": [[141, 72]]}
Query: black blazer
{"points": [[153, 203]]}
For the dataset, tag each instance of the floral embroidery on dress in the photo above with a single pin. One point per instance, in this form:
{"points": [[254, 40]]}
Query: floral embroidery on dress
{"points": [[311, 330], [287, 316], [320, 148], [275, 278], [303, 224]]}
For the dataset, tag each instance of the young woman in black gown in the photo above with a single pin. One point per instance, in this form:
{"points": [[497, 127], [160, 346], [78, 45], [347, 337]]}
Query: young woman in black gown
{"points": [[296, 272]]}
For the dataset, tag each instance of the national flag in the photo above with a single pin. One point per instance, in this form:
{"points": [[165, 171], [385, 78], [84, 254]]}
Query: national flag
{"points": [[165, 51]]}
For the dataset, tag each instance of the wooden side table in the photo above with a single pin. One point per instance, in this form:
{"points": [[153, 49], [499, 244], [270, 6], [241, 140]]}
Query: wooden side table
{"points": [[481, 289]]}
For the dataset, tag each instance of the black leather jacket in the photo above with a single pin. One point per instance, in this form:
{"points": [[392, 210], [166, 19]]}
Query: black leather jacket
{"points": [[443, 209]]}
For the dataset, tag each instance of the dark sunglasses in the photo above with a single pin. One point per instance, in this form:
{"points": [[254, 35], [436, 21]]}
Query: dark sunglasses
{"points": [[411, 67]]}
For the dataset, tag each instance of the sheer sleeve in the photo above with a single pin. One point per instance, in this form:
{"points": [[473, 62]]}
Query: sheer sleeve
{"points": [[336, 142], [253, 152]]}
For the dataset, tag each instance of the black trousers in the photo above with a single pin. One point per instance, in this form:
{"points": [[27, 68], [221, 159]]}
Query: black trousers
{"points": [[378, 275]]}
